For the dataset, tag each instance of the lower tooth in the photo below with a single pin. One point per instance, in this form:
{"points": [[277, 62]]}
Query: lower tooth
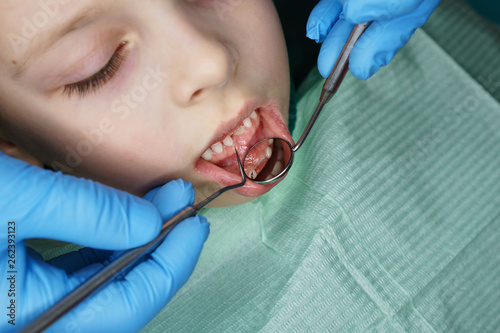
{"points": [[207, 155], [277, 168], [269, 152], [253, 174]]}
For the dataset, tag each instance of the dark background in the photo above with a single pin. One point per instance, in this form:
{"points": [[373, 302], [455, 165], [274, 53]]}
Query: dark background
{"points": [[488, 8], [302, 52]]}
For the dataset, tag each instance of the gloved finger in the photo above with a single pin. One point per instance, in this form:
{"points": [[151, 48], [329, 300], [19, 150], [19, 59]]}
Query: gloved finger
{"points": [[148, 287], [171, 198], [361, 11], [332, 46], [167, 203], [51, 205], [322, 19], [380, 43], [174, 260], [76, 260], [42, 286]]}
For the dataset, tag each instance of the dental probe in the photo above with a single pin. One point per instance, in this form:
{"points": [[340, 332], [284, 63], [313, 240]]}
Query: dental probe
{"points": [[122, 265], [335, 78], [279, 166]]}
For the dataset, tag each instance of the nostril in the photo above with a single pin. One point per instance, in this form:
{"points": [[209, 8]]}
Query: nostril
{"points": [[196, 94]]}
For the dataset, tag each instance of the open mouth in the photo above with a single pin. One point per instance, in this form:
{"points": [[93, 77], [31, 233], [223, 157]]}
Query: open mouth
{"points": [[219, 159]]}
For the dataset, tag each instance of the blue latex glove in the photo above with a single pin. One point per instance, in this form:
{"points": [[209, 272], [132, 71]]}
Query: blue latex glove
{"points": [[44, 204], [394, 22]]}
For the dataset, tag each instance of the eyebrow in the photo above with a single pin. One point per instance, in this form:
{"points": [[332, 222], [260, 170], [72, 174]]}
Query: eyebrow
{"points": [[78, 21]]}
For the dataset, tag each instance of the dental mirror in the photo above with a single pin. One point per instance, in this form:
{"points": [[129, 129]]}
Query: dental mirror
{"points": [[270, 159]]}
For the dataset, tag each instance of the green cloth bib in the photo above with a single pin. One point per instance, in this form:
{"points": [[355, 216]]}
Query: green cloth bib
{"points": [[389, 221]]}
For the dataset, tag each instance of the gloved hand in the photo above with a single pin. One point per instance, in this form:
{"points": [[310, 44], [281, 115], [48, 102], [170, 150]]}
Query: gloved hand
{"points": [[394, 22], [36, 203]]}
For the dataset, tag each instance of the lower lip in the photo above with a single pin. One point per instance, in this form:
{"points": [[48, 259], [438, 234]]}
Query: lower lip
{"points": [[273, 125]]}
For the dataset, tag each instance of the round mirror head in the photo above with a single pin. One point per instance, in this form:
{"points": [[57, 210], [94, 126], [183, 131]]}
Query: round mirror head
{"points": [[268, 160]]}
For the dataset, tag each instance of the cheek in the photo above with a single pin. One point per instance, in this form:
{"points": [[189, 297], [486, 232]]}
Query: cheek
{"points": [[125, 153], [261, 39], [124, 145], [134, 144]]}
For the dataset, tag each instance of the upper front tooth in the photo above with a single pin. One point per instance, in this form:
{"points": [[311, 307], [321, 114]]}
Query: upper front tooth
{"points": [[217, 147], [207, 155], [247, 122], [278, 167], [228, 141], [253, 115]]}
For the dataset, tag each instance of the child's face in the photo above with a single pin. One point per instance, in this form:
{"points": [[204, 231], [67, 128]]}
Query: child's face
{"points": [[133, 93]]}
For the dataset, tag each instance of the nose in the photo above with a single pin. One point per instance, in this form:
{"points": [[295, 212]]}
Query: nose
{"points": [[206, 65]]}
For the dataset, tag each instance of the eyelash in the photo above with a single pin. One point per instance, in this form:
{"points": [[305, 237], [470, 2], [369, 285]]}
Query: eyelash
{"points": [[96, 81]]}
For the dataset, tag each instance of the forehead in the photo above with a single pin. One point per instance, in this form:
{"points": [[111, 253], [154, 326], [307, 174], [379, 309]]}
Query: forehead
{"points": [[26, 23], [39, 13]]}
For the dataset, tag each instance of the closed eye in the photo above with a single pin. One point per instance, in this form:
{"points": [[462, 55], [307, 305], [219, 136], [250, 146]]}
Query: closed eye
{"points": [[93, 83]]}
